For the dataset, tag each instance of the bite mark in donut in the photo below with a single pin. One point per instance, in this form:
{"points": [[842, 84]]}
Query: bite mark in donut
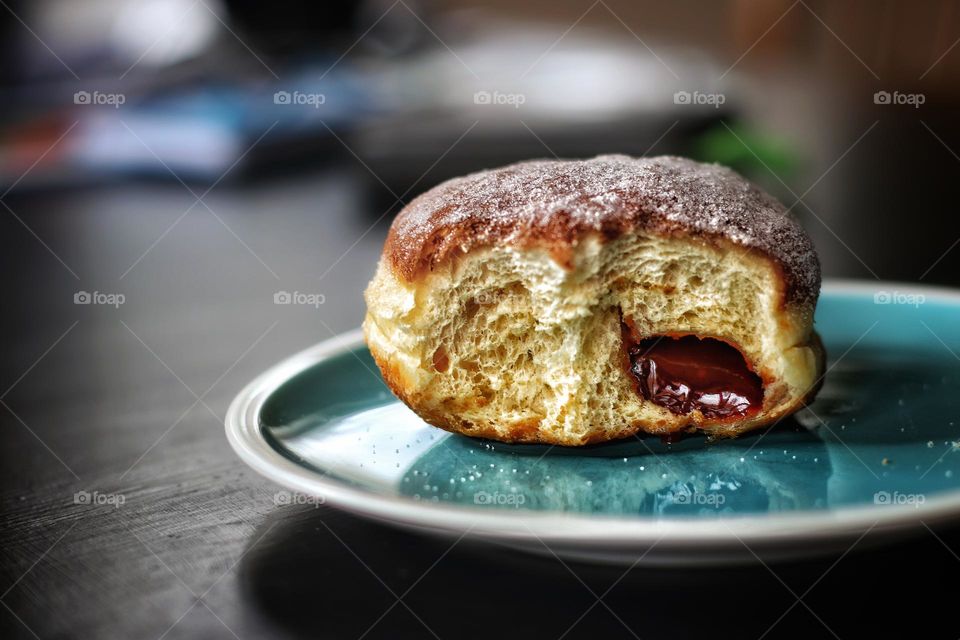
{"points": [[574, 302]]}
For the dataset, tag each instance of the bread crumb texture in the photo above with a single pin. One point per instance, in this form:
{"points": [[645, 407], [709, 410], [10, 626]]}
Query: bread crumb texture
{"points": [[508, 342]]}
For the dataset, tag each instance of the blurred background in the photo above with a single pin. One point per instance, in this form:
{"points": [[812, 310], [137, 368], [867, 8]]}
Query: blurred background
{"points": [[169, 169], [844, 110]]}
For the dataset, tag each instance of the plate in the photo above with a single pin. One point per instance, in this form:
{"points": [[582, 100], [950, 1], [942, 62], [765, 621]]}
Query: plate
{"points": [[875, 458]]}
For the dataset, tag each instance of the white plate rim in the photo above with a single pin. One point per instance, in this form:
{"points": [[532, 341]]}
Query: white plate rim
{"points": [[579, 530]]}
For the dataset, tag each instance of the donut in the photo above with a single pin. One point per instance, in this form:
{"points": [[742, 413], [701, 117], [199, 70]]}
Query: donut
{"points": [[572, 302]]}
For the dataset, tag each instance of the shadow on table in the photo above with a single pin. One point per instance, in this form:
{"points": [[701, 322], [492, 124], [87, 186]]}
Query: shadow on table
{"points": [[320, 573]]}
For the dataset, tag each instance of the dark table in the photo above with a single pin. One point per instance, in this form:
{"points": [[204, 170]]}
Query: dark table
{"points": [[128, 402]]}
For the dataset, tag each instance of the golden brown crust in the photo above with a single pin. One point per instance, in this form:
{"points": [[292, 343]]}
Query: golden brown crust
{"points": [[553, 205]]}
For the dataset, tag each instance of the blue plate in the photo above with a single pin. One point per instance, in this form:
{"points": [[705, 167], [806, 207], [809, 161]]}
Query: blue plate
{"points": [[878, 453]]}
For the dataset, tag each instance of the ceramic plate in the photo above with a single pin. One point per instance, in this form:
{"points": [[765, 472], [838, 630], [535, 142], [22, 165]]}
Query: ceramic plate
{"points": [[878, 453]]}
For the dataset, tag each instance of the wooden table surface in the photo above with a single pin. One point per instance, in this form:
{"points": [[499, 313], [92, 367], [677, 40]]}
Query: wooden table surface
{"points": [[128, 402]]}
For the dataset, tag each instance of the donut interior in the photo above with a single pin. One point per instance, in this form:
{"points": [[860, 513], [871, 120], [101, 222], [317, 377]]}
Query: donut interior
{"points": [[513, 344]]}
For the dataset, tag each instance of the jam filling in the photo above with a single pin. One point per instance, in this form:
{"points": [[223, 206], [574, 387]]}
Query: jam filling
{"points": [[687, 373]]}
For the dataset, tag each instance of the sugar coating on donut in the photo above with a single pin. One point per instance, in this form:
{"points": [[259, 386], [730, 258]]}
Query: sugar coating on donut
{"points": [[556, 203]]}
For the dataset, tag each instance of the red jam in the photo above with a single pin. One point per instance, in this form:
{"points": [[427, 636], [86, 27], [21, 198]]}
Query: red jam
{"points": [[688, 373]]}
